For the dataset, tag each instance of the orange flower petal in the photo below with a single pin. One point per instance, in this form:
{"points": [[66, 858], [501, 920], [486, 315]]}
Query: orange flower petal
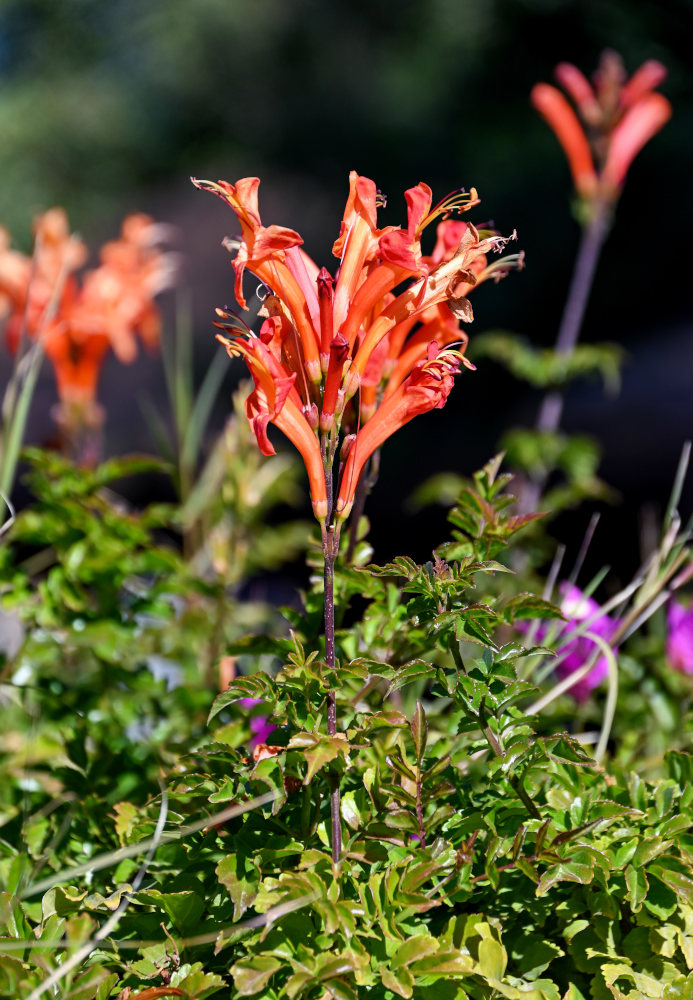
{"points": [[554, 107], [642, 120]]}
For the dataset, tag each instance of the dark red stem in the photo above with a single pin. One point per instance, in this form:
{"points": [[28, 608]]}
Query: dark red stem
{"points": [[330, 543]]}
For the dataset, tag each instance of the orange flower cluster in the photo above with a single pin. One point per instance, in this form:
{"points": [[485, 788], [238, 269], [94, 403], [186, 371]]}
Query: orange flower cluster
{"points": [[79, 321], [619, 117], [362, 352]]}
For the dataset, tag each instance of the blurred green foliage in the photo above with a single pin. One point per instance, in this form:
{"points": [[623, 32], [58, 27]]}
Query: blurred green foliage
{"points": [[98, 100]]}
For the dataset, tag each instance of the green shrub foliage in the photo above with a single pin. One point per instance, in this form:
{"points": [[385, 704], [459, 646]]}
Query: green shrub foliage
{"points": [[486, 854]]}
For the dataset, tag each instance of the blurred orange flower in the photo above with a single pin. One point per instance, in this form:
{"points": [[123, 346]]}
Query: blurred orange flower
{"points": [[79, 322], [384, 330], [619, 117]]}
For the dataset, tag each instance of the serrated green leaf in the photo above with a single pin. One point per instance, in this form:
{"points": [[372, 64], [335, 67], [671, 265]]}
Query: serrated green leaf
{"points": [[242, 879], [250, 975], [319, 750]]}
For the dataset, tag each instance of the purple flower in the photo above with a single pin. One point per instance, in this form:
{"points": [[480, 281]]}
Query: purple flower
{"points": [[260, 728], [680, 639], [577, 607]]}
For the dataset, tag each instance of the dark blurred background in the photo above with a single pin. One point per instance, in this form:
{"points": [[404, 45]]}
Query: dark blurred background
{"points": [[107, 108]]}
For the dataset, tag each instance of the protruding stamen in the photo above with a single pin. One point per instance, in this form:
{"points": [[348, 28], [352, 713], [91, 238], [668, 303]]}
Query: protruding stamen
{"points": [[231, 323], [454, 203], [232, 243], [498, 269]]}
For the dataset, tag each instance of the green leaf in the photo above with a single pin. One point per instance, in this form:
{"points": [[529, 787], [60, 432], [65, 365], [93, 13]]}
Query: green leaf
{"points": [[250, 975], [444, 963], [62, 901], [681, 884], [637, 883], [493, 958], [533, 953], [565, 872], [400, 981], [413, 950], [416, 670], [125, 816], [340, 990], [184, 908], [545, 367], [319, 750], [524, 606], [242, 879], [394, 760], [419, 731]]}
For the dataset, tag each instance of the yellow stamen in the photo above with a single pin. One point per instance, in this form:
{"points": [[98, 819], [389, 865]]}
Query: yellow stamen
{"points": [[457, 202]]}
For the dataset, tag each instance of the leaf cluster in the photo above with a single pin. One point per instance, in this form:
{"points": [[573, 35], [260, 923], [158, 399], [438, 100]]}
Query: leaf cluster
{"points": [[485, 855]]}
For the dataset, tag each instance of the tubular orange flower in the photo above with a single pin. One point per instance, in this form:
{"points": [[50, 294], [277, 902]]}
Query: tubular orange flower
{"points": [[621, 117], [263, 250], [551, 103], [113, 303], [427, 388], [642, 120], [365, 330]]}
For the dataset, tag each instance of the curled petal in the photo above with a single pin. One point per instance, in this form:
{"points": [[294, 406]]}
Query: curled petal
{"points": [[442, 329], [258, 243], [427, 388], [261, 407], [241, 196], [275, 400], [437, 287], [357, 244], [402, 246], [361, 203]]}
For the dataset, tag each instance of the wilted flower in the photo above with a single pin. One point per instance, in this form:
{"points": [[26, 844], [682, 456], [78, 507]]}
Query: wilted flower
{"points": [[679, 648], [577, 608], [619, 117], [79, 322], [385, 327]]}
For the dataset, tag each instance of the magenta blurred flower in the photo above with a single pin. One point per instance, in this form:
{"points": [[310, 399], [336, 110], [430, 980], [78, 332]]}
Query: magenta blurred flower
{"points": [[260, 728], [577, 607], [680, 639]]}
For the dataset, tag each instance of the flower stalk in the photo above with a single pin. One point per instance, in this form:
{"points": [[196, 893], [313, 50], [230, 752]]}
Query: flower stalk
{"points": [[613, 119], [341, 362], [593, 238], [330, 546], [601, 132]]}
